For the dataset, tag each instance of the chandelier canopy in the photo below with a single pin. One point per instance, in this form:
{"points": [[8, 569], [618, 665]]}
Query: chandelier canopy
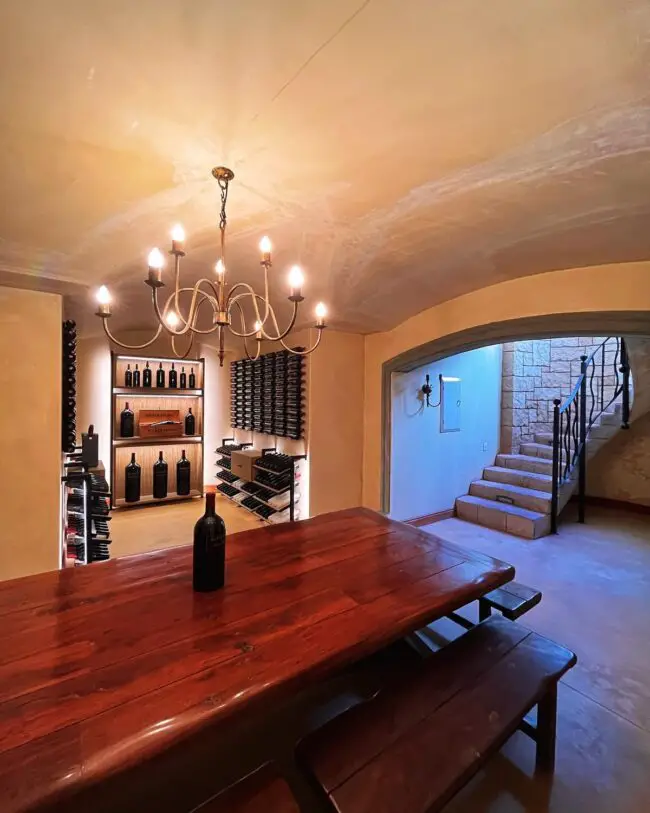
{"points": [[176, 321]]}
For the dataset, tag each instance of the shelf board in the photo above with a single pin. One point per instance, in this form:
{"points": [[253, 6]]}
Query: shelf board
{"points": [[148, 392], [151, 500], [138, 441]]}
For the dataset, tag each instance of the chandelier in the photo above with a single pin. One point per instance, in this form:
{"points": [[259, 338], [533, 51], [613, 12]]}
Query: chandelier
{"points": [[177, 321]]}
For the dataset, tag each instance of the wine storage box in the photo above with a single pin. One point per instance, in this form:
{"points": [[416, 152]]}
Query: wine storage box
{"points": [[151, 426], [242, 462]]}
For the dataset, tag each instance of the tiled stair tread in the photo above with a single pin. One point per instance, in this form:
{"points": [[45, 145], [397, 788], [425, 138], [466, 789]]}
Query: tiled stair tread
{"points": [[530, 475], [537, 447], [524, 458], [518, 490], [525, 513]]}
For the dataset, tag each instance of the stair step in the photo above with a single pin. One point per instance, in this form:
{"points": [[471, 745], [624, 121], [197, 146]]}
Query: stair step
{"points": [[516, 477], [523, 462], [544, 437], [529, 498], [537, 450], [502, 517]]}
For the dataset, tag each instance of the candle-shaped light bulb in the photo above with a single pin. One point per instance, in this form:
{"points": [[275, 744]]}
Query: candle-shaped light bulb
{"points": [[321, 313], [103, 301], [155, 259], [178, 238], [296, 278], [265, 248], [220, 268], [172, 319], [258, 331], [103, 296]]}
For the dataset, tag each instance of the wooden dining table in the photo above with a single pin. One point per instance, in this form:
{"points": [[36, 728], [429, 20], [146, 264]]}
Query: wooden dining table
{"points": [[103, 667]]}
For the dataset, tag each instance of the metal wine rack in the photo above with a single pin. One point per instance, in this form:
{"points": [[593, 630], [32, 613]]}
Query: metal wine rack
{"points": [[86, 511], [267, 394], [273, 494], [68, 386]]}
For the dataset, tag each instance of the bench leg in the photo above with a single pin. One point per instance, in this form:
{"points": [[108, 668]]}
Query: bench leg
{"points": [[546, 728], [484, 610]]}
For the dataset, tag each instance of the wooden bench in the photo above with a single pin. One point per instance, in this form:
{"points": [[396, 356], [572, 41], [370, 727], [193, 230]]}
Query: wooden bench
{"points": [[413, 746], [263, 791], [512, 600]]}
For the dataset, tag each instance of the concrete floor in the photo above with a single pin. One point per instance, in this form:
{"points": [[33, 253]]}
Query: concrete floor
{"points": [[596, 584]]}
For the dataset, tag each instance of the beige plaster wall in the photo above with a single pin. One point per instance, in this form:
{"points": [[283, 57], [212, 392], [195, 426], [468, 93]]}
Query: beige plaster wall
{"points": [[577, 290], [336, 423], [30, 431]]}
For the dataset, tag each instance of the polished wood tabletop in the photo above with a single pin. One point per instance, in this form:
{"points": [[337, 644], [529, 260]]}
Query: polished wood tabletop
{"points": [[104, 666]]}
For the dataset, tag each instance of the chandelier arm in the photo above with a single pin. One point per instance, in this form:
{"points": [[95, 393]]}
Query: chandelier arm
{"points": [[161, 316], [204, 297], [129, 346], [187, 352], [248, 291], [309, 349], [188, 324], [271, 311], [243, 320]]}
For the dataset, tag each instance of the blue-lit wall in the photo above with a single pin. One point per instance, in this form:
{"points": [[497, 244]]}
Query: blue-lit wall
{"points": [[429, 469]]}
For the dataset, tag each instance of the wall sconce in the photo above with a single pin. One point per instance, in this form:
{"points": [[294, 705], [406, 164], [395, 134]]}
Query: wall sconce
{"points": [[427, 389]]}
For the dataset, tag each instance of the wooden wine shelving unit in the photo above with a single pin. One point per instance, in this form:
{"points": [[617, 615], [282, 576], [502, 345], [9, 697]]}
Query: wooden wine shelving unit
{"points": [[146, 449]]}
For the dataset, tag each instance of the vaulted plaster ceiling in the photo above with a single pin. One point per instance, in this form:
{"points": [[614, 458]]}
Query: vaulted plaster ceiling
{"points": [[403, 152]]}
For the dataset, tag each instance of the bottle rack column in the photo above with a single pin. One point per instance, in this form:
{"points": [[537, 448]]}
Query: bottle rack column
{"points": [[86, 513], [160, 393]]}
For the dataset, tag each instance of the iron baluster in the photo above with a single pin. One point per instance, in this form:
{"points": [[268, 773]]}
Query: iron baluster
{"points": [[625, 369], [583, 441], [556, 463]]}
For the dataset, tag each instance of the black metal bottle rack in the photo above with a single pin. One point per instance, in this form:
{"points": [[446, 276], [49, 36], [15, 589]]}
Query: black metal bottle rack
{"points": [[267, 394], [69, 386], [86, 512], [273, 493]]}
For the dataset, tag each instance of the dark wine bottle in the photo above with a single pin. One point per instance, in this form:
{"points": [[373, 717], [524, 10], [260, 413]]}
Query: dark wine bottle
{"points": [[160, 478], [190, 423], [128, 376], [183, 476], [192, 381], [160, 376], [172, 377], [183, 384], [136, 377], [127, 422], [146, 376], [132, 481], [209, 556]]}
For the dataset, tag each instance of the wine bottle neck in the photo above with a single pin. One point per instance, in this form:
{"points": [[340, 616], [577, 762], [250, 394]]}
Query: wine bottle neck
{"points": [[209, 504]]}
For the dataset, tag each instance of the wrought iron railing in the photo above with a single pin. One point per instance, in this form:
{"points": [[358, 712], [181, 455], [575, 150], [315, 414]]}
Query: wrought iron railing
{"points": [[604, 376]]}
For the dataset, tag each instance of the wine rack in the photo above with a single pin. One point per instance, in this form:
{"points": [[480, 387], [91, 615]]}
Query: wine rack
{"points": [[273, 495], [146, 449], [69, 386], [267, 394], [86, 512]]}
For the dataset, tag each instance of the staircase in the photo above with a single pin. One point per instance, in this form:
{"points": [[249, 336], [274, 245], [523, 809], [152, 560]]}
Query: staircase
{"points": [[516, 495]]}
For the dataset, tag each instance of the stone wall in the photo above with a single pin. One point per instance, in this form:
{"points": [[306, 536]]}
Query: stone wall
{"points": [[534, 373]]}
